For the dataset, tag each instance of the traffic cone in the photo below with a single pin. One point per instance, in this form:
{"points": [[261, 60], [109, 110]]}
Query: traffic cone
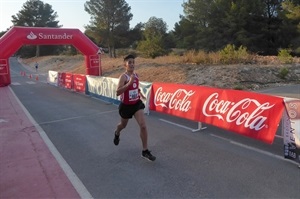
{"points": [[30, 76], [37, 78], [24, 73]]}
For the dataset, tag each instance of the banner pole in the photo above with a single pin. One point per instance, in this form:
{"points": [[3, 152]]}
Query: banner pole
{"points": [[199, 127]]}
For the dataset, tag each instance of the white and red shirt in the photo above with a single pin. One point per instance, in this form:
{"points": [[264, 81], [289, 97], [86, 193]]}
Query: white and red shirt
{"points": [[131, 95]]}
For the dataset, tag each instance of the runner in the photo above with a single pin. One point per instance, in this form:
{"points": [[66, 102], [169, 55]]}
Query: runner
{"points": [[131, 105]]}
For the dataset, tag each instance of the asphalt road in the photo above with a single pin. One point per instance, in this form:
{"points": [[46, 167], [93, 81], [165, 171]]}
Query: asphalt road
{"points": [[212, 163]]}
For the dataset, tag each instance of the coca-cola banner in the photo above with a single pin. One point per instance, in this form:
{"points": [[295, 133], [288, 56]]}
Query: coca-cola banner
{"points": [[291, 129], [251, 114], [79, 82]]}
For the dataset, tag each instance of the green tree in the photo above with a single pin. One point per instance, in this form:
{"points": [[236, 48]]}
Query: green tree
{"points": [[222, 22], [185, 32], [134, 35], [35, 13], [259, 25], [2, 33], [291, 11], [109, 22], [153, 43]]}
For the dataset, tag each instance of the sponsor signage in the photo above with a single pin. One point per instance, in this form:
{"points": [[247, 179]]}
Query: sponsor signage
{"points": [[69, 81], [46, 36], [3, 67], [94, 61], [79, 82], [103, 87], [61, 79], [52, 77], [291, 129], [65, 80], [106, 89], [250, 114]]}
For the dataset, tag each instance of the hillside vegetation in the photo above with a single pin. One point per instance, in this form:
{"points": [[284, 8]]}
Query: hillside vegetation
{"points": [[254, 73]]}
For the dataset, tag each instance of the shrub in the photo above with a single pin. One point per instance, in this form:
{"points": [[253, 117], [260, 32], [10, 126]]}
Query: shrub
{"points": [[283, 73], [284, 56], [231, 55], [152, 47]]}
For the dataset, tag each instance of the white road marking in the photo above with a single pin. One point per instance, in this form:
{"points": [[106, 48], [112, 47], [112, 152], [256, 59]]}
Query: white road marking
{"points": [[254, 149], [182, 126], [222, 138], [30, 82], [77, 117], [2, 120], [15, 83], [76, 182]]}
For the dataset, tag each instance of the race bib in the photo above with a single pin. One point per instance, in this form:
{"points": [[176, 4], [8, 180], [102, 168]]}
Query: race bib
{"points": [[133, 95]]}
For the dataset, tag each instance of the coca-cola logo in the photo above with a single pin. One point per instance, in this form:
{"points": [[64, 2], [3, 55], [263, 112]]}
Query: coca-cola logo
{"points": [[238, 112], [178, 100]]}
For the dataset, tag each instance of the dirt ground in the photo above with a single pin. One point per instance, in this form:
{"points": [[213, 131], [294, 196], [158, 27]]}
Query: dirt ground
{"points": [[263, 74]]}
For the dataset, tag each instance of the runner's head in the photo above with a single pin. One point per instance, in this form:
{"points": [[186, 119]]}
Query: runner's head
{"points": [[130, 56], [129, 62]]}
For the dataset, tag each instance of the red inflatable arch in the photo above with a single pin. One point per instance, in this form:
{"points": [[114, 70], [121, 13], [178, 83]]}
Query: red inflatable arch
{"points": [[17, 36]]}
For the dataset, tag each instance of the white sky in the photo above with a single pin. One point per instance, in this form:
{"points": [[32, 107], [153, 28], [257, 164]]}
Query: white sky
{"points": [[71, 13]]}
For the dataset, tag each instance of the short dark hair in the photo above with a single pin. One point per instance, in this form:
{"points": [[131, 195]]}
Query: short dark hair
{"points": [[129, 57]]}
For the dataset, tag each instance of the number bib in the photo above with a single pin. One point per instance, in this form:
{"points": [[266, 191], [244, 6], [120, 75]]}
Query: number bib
{"points": [[133, 95]]}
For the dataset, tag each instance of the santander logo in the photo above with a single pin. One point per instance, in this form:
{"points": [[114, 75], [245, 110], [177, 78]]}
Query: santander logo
{"points": [[31, 36], [45, 36], [179, 100], [237, 112]]}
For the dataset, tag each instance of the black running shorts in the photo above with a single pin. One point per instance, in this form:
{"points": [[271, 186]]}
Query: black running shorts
{"points": [[127, 111]]}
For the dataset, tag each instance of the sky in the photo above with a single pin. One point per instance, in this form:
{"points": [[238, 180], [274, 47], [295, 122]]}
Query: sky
{"points": [[71, 13]]}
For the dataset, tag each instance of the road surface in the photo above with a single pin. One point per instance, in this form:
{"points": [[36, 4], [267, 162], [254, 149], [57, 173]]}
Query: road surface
{"points": [[212, 163]]}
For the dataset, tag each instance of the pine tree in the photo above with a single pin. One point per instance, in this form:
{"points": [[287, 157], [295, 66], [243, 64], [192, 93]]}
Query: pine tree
{"points": [[260, 25], [109, 21], [35, 13]]}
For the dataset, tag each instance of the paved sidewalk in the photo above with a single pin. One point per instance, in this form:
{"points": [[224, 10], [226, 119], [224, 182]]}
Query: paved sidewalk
{"points": [[27, 167]]}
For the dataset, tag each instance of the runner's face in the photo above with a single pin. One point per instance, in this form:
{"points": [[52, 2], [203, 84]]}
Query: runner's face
{"points": [[130, 64]]}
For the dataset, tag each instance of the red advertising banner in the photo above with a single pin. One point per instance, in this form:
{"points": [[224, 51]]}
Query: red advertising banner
{"points": [[94, 61], [65, 80], [3, 67], [69, 81], [61, 79], [79, 81], [250, 114]]}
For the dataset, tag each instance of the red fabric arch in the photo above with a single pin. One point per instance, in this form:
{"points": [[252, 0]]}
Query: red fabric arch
{"points": [[18, 36]]}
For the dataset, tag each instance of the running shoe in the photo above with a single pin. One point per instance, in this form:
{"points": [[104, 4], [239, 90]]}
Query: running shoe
{"points": [[147, 155], [116, 139]]}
